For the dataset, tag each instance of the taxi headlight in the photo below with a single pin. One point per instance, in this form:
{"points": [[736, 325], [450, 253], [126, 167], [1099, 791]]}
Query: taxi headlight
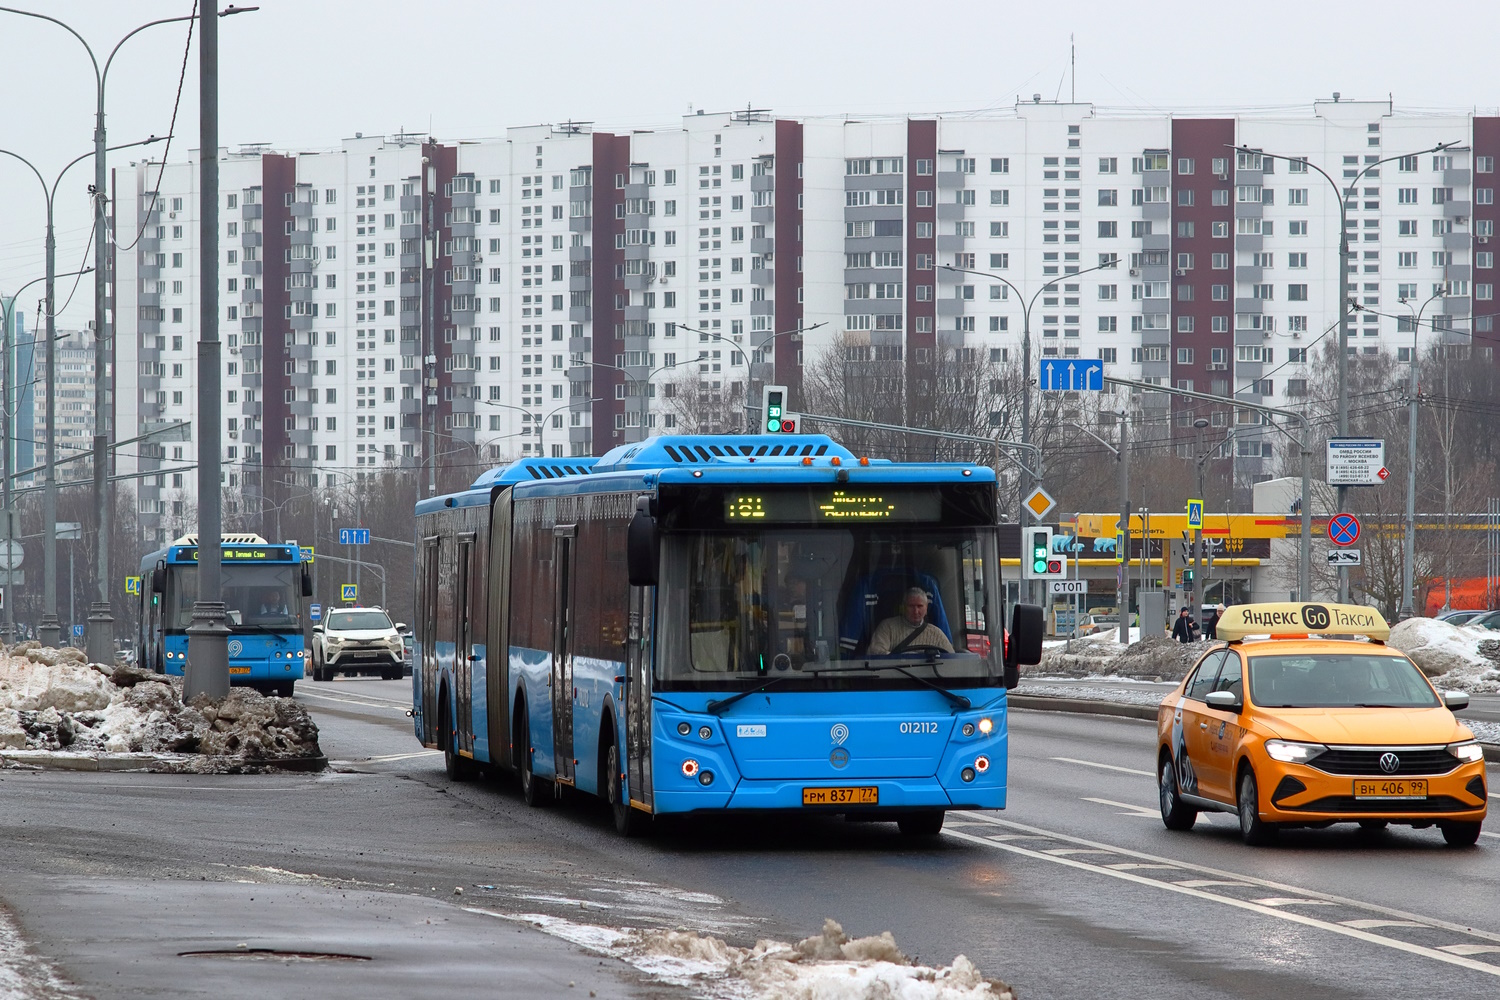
{"points": [[1293, 753], [1468, 752]]}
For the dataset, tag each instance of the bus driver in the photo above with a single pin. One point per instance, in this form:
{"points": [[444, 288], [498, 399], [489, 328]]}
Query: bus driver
{"points": [[908, 629]]}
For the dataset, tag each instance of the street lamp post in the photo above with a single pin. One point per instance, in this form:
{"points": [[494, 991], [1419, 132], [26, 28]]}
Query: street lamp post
{"points": [[1340, 194], [754, 347], [1409, 543], [6, 462], [49, 629], [101, 620], [1122, 529]]}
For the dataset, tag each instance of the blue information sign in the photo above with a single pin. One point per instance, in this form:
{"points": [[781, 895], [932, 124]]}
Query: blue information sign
{"points": [[354, 536], [315, 612], [1071, 374], [78, 631]]}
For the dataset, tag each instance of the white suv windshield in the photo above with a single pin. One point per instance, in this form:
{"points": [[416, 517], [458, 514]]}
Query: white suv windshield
{"points": [[350, 621]]}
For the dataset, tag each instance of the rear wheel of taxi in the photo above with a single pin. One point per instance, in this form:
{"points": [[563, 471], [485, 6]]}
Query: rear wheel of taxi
{"points": [[1253, 829], [1460, 834], [1175, 813], [927, 823]]}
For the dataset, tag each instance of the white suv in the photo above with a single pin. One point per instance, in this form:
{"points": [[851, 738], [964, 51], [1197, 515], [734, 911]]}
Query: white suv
{"points": [[358, 641]]}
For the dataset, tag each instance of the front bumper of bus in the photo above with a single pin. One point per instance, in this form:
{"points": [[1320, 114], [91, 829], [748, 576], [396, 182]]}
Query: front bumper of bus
{"points": [[693, 774], [277, 667]]}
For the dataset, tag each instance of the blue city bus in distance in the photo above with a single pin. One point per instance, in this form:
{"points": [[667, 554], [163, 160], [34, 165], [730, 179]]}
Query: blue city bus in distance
{"points": [[264, 585], [700, 624]]}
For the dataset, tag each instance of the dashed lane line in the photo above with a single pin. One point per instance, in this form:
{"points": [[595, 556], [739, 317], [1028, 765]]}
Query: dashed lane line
{"points": [[1129, 809], [1106, 767], [1439, 955], [1204, 870]]}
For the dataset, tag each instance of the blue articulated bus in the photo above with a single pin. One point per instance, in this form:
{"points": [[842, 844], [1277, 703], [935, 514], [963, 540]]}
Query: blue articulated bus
{"points": [[263, 586], [712, 623]]}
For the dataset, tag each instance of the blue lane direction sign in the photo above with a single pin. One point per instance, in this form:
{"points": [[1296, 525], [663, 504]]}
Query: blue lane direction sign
{"points": [[1071, 374], [1195, 513], [354, 536], [349, 592], [315, 612], [78, 631], [1343, 529]]}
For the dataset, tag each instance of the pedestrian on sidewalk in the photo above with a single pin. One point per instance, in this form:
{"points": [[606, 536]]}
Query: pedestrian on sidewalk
{"points": [[1211, 626], [1184, 629]]}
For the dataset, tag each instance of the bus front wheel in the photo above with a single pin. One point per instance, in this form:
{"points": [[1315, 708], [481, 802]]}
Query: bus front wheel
{"points": [[629, 822]]}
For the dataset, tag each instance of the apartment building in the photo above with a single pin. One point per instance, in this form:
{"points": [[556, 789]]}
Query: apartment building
{"points": [[73, 399], [565, 289]]}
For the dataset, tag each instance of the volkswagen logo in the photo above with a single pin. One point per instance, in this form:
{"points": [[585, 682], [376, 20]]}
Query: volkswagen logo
{"points": [[839, 733], [236, 647], [1389, 762]]}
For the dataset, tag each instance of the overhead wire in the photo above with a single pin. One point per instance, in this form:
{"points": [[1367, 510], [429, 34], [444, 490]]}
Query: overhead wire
{"points": [[171, 130]]}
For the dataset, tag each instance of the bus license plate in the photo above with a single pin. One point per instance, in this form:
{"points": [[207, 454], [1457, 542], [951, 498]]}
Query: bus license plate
{"points": [[1407, 788], [239, 670], [858, 796]]}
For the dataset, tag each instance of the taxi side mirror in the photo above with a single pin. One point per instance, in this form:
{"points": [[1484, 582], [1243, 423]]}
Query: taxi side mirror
{"points": [[1456, 700], [1224, 700]]}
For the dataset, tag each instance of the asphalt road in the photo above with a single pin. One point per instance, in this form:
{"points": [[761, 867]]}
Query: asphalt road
{"points": [[1075, 890]]}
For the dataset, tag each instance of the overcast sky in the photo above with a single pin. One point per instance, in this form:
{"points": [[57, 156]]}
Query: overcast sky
{"points": [[307, 73]]}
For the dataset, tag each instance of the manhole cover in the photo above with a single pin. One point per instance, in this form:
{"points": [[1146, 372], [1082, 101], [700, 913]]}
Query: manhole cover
{"points": [[273, 955]]}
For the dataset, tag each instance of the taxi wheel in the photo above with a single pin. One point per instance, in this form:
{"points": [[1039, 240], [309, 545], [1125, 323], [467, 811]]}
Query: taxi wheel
{"points": [[1460, 834], [1175, 813], [1253, 829]]}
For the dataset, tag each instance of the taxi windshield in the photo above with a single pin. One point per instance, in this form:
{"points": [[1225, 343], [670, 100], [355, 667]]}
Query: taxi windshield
{"points": [[1338, 680]]}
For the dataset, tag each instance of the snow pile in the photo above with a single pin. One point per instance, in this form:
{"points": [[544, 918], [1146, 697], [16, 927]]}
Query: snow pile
{"points": [[52, 701], [1466, 658], [828, 966], [1154, 657]]}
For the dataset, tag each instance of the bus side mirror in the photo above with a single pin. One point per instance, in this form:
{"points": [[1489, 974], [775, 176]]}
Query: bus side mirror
{"points": [[306, 583], [641, 547], [1027, 622], [158, 580]]}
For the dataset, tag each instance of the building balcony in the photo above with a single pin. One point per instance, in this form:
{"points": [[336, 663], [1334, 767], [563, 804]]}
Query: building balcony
{"points": [[1251, 305], [1456, 209], [951, 307], [580, 253], [763, 307], [764, 214], [950, 210], [1456, 177], [950, 243], [762, 276], [1247, 274], [580, 314], [763, 182], [764, 245], [951, 179], [1156, 211], [581, 224]]}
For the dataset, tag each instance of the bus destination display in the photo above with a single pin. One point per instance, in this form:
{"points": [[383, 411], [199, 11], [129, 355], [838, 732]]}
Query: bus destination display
{"points": [[274, 553], [832, 506]]}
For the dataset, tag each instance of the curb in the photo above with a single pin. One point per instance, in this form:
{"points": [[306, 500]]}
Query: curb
{"points": [[46, 760], [1084, 706]]}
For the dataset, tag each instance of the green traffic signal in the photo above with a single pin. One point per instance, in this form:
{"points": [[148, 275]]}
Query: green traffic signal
{"points": [[1040, 552]]}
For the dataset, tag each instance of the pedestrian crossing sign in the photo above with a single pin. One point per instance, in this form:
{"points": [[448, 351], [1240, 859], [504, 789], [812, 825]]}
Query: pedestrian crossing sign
{"points": [[349, 592], [1195, 513], [132, 585]]}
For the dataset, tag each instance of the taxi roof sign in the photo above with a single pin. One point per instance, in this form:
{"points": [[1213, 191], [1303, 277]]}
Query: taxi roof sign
{"points": [[1293, 618]]}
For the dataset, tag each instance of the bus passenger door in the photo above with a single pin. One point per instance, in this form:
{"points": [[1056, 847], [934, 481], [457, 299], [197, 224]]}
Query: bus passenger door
{"points": [[638, 696], [427, 651], [463, 652], [564, 539]]}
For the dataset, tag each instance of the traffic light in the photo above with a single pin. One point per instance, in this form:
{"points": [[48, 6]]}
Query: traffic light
{"points": [[1036, 554], [773, 408], [1187, 579]]}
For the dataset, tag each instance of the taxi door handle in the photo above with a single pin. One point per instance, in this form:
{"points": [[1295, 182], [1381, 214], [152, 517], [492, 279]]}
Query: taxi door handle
{"points": [[1202, 725]]}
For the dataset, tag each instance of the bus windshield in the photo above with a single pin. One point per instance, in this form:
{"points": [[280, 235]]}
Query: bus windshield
{"points": [[256, 597], [856, 607]]}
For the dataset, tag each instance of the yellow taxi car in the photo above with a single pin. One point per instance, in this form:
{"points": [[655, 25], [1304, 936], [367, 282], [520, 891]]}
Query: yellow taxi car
{"points": [[1294, 722]]}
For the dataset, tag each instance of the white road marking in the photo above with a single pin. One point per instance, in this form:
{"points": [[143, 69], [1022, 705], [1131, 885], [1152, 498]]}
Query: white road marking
{"points": [[1131, 810], [1366, 925], [400, 756], [1220, 873], [1107, 767], [1468, 949], [1243, 904], [398, 706], [1203, 883], [1295, 901], [1134, 865], [1060, 852], [1484, 833]]}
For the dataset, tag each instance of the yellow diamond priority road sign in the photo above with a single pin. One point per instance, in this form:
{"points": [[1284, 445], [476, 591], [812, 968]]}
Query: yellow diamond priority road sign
{"points": [[1039, 502]]}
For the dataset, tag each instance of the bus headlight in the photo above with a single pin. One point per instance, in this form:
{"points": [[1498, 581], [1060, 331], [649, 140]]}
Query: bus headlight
{"points": [[986, 726], [683, 728], [968, 729]]}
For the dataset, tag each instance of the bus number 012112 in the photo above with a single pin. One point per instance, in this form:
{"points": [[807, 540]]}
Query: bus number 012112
{"points": [[919, 727]]}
